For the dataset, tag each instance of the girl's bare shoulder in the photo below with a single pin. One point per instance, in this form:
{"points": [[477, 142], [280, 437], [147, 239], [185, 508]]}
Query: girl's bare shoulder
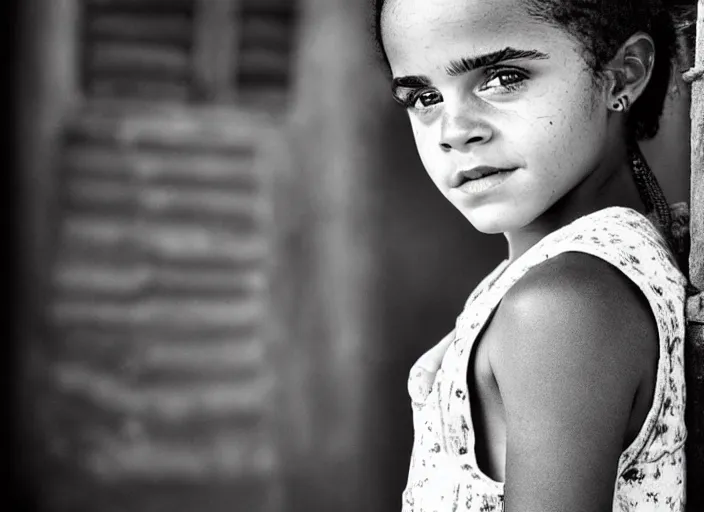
{"points": [[581, 295], [573, 340], [571, 322]]}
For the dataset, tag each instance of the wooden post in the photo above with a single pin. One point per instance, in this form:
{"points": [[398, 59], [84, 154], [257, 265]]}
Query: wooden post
{"points": [[215, 51], [695, 308], [325, 269], [46, 89], [697, 191]]}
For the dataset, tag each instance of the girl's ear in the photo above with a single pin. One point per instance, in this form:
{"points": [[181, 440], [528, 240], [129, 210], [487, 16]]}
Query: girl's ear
{"points": [[630, 70]]}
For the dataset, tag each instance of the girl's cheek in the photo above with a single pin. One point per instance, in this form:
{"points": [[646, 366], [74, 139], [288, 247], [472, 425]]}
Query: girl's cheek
{"points": [[416, 132], [420, 129], [423, 141]]}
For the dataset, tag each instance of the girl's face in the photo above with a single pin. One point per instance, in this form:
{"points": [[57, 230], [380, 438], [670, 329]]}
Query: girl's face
{"points": [[488, 87]]}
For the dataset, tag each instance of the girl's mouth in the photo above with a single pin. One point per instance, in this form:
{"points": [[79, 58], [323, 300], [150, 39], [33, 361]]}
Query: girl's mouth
{"points": [[481, 179], [475, 173]]}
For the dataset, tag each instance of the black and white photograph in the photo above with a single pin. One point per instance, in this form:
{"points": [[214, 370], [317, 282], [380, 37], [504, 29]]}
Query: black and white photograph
{"points": [[356, 255]]}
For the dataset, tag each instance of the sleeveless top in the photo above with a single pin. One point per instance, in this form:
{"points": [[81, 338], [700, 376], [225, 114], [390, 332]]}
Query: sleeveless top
{"points": [[444, 475]]}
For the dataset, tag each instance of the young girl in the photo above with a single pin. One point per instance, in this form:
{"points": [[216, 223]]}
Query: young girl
{"points": [[561, 387]]}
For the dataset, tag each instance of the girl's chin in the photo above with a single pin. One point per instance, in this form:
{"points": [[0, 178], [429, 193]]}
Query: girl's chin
{"points": [[489, 229], [493, 219]]}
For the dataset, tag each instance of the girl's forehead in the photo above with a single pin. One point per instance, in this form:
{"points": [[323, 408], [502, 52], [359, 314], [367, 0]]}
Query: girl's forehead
{"points": [[418, 29], [401, 14]]}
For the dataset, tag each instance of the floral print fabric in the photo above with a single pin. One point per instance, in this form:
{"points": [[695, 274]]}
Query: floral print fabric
{"points": [[444, 475]]}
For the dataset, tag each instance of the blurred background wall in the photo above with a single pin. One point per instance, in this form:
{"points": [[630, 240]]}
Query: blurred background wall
{"points": [[231, 256]]}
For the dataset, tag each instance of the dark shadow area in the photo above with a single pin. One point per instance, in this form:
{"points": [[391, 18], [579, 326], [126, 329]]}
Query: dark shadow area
{"points": [[22, 497]]}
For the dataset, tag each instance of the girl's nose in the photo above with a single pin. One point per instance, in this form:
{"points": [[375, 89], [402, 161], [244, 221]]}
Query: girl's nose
{"points": [[461, 131]]}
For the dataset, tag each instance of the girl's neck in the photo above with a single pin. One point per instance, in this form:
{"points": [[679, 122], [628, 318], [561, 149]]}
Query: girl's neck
{"points": [[611, 184]]}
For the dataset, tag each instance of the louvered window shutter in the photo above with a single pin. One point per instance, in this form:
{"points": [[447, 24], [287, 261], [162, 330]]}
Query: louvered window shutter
{"points": [[138, 49], [265, 49], [213, 51], [161, 363], [158, 314]]}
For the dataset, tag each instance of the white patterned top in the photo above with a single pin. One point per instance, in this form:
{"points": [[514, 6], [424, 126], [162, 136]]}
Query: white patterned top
{"points": [[444, 475]]}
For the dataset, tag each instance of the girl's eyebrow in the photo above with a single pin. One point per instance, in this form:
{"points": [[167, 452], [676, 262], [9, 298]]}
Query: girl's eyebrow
{"points": [[467, 64]]}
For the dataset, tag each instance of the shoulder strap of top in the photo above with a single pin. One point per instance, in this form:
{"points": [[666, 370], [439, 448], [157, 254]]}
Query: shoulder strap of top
{"points": [[618, 235]]}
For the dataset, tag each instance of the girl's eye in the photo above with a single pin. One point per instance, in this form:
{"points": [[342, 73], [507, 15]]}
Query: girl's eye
{"points": [[425, 99], [508, 79]]}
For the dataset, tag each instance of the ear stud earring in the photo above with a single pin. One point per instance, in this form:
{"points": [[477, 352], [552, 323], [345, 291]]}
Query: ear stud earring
{"points": [[621, 105]]}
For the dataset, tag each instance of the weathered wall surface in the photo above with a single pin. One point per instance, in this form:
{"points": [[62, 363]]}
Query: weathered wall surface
{"points": [[695, 336]]}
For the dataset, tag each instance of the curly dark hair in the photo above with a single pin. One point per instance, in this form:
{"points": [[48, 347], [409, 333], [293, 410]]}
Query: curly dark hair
{"points": [[601, 27]]}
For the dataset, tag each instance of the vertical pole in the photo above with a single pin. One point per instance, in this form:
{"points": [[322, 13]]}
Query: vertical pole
{"points": [[696, 260], [46, 89], [214, 49], [694, 356]]}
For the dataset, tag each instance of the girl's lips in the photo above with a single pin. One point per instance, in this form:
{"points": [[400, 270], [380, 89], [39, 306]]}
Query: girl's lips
{"points": [[485, 182], [475, 173]]}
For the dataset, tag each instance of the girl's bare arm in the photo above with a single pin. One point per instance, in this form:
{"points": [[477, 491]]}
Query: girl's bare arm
{"points": [[576, 338]]}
